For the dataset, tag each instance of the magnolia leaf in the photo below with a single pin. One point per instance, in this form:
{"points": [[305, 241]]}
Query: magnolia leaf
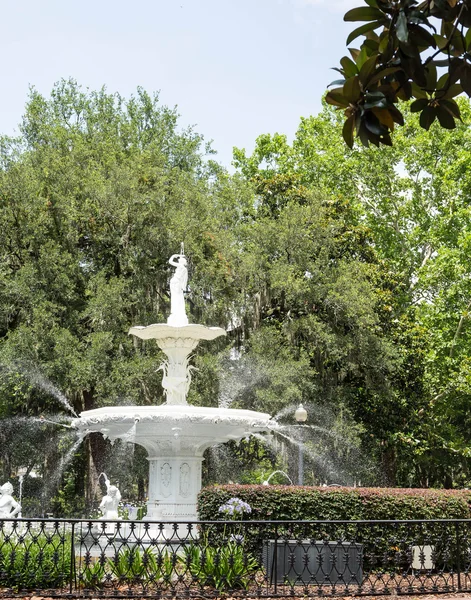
{"points": [[427, 117], [349, 67], [384, 117], [348, 131], [381, 74], [452, 107], [364, 29], [419, 105], [402, 32], [445, 118], [364, 13], [453, 90], [396, 114], [337, 82], [431, 75], [368, 68], [354, 52], [440, 41], [352, 90], [373, 124], [417, 91], [465, 79], [336, 99]]}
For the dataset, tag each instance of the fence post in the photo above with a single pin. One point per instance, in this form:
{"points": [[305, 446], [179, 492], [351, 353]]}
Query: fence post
{"points": [[72, 558], [458, 568], [275, 558]]}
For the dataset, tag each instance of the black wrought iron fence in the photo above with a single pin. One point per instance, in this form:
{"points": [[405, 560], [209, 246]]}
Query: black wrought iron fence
{"points": [[250, 559]]}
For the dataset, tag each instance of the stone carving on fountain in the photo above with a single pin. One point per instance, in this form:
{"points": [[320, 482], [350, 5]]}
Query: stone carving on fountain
{"points": [[175, 434]]}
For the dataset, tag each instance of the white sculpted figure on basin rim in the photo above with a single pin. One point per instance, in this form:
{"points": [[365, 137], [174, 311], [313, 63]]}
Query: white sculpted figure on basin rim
{"points": [[110, 502], [9, 507]]}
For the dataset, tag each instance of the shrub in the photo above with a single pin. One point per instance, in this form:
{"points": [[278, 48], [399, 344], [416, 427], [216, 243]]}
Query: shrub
{"points": [[384, 545], [295, 503], [225, 567]]}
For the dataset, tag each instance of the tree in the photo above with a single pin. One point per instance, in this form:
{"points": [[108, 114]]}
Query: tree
{"points": [[403, 56], [403, 211]]}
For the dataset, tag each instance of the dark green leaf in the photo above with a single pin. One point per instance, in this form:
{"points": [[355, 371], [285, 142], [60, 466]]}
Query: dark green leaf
{"points": [[453, 90], [452, 107], [352, 90], [363, 135], [431, 75], [337, 82], [373, 124], [364, 13], [455, 69], [381, 74], [465, 79], [417, 91], [402, 32], [445, 118], [418, 105], [427, 117], [368, 68], [336, 99], [396, 115], [349, 67], [348, 130], [364, 29], [422, 37]]}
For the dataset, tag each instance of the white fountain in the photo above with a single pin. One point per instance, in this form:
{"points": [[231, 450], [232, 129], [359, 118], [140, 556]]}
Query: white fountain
{"points": [[175, 434]]}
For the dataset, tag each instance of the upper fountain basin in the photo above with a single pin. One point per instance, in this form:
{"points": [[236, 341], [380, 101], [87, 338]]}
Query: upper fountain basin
{"points": [[156, 428], [193, 331]]}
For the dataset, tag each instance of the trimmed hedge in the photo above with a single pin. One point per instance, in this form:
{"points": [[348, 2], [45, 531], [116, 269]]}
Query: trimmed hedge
{"points": [[387, 547], [281, 502]]}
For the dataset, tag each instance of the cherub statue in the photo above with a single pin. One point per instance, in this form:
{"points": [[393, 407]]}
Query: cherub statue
{"points": [[9, 507], [110, 502]]}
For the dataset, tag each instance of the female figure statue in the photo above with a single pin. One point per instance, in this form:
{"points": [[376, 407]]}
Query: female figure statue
{"points": [[110, 502], [178, 284], [9, 507]]}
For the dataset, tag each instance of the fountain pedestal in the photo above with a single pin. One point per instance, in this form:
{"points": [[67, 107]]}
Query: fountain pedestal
{"points": [[174, 434]]}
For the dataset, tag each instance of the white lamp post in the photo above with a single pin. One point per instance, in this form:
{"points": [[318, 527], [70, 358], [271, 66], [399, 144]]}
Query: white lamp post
{"points": [[301, 416]]}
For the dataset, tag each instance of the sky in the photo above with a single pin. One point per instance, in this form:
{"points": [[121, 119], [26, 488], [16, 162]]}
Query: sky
{"points": [[234, 68]]}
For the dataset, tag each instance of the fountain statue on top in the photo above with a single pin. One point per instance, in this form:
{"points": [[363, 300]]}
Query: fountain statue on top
{"points": [[175, 434], [178, 284]]}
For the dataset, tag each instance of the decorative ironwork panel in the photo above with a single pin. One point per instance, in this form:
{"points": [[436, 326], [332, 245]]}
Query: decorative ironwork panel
{"points": [[250, 559]]}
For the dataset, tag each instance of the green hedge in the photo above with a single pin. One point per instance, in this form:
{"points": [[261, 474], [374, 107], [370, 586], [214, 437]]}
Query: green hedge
{"points": [[387, 547], [318, 503]]}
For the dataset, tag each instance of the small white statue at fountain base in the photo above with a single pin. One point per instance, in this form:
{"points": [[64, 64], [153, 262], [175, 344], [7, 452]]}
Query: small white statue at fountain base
{"points": [[9, 507], [110, 502]]}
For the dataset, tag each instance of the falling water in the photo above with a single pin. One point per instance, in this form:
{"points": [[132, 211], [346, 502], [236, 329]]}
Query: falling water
{"points": [[52, 483], [38, 379]]}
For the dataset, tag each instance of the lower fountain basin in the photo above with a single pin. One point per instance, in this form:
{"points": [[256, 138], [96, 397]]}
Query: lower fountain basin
{"points": [[175, 437], [181, 427]]}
